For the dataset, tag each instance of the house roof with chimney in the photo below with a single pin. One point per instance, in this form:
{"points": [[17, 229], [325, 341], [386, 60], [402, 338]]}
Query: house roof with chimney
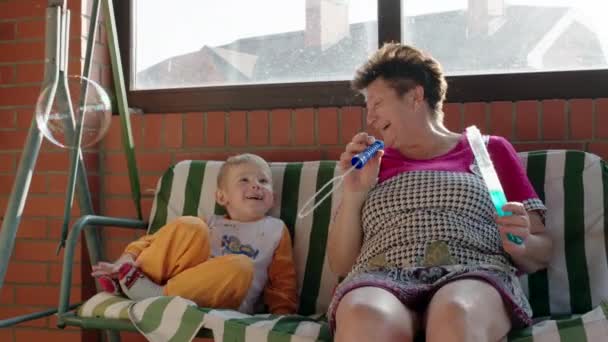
{"points": [[283, 57]]}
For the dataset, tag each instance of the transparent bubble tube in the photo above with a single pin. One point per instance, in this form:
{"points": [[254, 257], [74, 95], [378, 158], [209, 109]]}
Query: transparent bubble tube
{"points": [[488, 173]]}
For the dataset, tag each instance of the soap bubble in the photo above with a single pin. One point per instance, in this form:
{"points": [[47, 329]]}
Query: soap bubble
{"points": [[56, 124]]}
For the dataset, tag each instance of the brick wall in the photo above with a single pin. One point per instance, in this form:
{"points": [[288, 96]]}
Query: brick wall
{"points": [[164, 138]]}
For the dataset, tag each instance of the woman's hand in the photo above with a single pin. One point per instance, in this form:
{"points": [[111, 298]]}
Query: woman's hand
{"points": [[110, 269], [364, 179], [518, 224]]}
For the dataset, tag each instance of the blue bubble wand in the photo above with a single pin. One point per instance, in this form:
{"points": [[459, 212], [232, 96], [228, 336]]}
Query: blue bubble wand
{"points": [[357, 162]]}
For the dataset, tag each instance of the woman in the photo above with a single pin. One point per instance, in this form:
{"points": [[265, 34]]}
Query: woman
{"points": [[417, 235]]}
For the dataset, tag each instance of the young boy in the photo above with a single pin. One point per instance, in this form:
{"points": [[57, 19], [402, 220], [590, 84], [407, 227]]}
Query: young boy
{"points": [[222, 261]]}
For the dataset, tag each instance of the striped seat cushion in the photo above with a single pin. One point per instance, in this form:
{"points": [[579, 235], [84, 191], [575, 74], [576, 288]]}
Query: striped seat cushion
{"points": [[573, 186]]}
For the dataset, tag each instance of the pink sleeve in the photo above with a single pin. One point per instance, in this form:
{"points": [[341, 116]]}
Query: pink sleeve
{"points": [[510, 171]]}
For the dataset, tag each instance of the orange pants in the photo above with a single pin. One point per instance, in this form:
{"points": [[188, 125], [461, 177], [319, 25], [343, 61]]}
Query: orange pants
{"points": [[177, 256]]}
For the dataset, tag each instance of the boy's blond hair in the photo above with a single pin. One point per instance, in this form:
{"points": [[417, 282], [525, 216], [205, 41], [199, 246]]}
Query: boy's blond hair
{"points": [[245, 158]]}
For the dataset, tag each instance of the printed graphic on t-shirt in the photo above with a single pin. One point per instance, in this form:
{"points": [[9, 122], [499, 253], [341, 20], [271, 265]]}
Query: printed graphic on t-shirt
{"points": [[232, 245]]}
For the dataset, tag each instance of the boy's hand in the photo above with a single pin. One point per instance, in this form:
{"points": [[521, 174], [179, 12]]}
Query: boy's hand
{"points": [[110, 269]]}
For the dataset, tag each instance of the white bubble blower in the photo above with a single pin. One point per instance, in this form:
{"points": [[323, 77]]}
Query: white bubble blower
{"points": [[357, 162], [488, 173]]}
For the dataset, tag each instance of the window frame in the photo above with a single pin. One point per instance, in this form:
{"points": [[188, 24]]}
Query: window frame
{"points": [[462, 88]]}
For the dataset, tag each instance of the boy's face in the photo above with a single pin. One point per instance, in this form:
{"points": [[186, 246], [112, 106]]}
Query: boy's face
{"points": [[247, 192]]}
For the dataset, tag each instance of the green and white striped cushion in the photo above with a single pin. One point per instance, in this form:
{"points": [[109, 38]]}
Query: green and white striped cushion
{"points": [[572, 184], [574, 187], [188, 188]]}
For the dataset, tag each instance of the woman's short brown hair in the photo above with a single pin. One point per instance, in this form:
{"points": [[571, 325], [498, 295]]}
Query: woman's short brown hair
{"points": [[404, 67]]}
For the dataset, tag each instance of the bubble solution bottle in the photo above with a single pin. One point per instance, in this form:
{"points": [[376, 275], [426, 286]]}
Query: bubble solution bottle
{"points": [[488, 173]]}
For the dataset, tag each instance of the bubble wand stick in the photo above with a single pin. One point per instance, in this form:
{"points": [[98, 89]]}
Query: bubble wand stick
{"points": [[357, 162]]}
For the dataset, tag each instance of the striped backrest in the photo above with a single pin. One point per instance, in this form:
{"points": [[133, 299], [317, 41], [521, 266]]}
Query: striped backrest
{"points": [[188, 188], [573, 185]]}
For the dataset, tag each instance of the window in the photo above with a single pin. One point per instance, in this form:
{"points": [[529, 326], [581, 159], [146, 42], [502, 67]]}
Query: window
{"points": [[236, 54]]}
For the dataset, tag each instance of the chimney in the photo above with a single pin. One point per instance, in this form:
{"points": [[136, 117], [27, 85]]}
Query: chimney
{"points": [[483, 16], [326, 23]]}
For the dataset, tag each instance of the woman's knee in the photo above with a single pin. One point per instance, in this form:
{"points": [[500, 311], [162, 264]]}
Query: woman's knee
{"points": [[375, 312], [470, 309]]}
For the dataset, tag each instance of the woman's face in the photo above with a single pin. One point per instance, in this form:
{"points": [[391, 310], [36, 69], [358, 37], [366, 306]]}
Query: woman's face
{"points": [[392, 115]]}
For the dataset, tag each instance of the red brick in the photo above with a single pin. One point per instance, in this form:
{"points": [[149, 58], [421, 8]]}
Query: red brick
{"points": [[40, 250], [526, 120], [116, 184], [7, 335], [218, 155], [453, 117], [147, 162], [8, 119], [12, 140], [291, 155], [581, 119], [522, 147], [30, 73], [304, 126], [153, 131], [25, 118], [32, 228], [350, 122], [45, 206], [7, 74], [137, 129], [56, 271], [117, 233], [328, 126], [216, 129], [173, 130], [258, 128], [113, 137], [280, 127], [27, 272], [113, 249], [333, 153], [7, 162], [601, 118], [48, 335], [115, 162], [194, 125], [7, 294], [475, 114], [17, 9], [22, 52], [7, 31], [131, 337], [599, 148], [53, 161], [501, 119], [554, 119], [237, 128], [38, 184], [31, 29], [119, 207]]}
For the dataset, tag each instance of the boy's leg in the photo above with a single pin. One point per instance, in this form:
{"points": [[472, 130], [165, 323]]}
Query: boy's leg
{"points": [[220, 282], [178, 246]]}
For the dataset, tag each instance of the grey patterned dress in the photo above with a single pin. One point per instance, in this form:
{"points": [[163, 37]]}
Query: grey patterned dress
{"points": [[423, 229]]}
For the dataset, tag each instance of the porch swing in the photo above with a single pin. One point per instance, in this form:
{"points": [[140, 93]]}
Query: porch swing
{"points": [[568, 298]]}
